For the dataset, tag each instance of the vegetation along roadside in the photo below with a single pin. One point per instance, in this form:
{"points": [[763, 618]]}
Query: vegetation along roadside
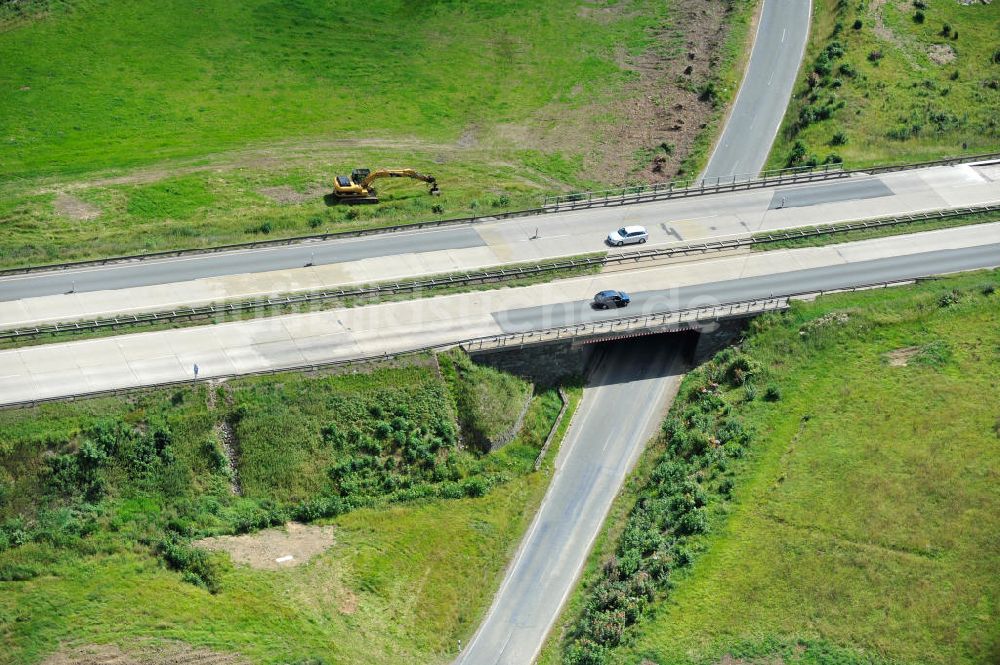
{"points": [[109, 150], [902, 81], [807, 502], [103, 496]]}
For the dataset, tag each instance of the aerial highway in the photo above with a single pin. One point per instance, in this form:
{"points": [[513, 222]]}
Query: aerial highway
{"points": [[159, 284], [238, 347]]}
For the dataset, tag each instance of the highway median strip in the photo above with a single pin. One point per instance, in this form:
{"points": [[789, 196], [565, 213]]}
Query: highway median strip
{"points": [[492, 278]]}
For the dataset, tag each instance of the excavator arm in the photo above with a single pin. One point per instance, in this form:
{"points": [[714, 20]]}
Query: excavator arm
{"points": [[397, 173], [358, 188]]}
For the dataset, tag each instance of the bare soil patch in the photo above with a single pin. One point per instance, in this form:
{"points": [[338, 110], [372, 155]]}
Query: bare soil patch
{"points": [[901, 357], [941, 54], [67, 205], [272, 549], [173, 653], [287, 195]]}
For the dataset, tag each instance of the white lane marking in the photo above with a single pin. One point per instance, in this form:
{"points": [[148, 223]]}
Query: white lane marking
{"points": [[770, 78], [783, 31]]}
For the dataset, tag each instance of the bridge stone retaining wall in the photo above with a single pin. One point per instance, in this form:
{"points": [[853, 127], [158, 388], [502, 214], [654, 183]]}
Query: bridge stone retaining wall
{"points": [[544, 364]]}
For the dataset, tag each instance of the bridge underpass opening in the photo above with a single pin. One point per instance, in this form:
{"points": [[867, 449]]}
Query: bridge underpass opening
{"points": [[655, 353]]}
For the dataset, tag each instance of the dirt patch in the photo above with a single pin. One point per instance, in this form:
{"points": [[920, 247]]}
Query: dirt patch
{"points": [[272, 549], [902, 357], [287, 195], [348, 602], [67, 205], [174, 653], [941, 54], [231, 447], [604, 15]]}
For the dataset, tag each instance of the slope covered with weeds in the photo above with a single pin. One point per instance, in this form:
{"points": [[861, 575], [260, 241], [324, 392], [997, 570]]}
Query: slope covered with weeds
{"points": [[102, 500], [822, 493]]}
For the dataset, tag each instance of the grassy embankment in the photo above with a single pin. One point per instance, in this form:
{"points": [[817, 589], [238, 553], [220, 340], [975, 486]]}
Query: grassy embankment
{"points": [[100, 501], [158, 129], [895, 82], [823, 493]]}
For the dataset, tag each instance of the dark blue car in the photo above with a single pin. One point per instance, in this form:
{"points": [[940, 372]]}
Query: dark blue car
{"points": [[609, 299]]}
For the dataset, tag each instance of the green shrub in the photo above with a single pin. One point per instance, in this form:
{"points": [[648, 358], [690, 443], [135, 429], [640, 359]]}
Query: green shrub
{"points": [[918, 17], [773, 393], [839, 138], [857, 24], [196, 565], [949, 299], [11, 572]]}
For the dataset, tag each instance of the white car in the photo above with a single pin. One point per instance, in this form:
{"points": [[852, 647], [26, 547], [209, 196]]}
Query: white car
{"points": [[628, 235]]}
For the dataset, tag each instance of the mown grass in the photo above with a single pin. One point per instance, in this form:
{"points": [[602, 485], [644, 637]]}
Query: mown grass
{"points": [[822, 239], [857, 524], [88, 541], [877, 96], [208, 207], [182, 83]]}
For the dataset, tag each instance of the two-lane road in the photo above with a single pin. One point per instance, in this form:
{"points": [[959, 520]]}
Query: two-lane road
{"points": [[634, 381], [765, 91]]}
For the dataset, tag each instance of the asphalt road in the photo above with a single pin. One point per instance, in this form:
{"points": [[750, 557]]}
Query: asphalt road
{"points": [[618, 416], [760, 105], [750, 288], [166, 271], [633, 381]]}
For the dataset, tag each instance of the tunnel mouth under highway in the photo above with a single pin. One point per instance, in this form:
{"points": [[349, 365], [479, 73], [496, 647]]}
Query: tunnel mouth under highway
{"points": [[685, 342]]}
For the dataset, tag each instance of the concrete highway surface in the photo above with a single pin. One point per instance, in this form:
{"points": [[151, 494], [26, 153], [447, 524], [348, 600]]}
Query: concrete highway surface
{"points": [[245, 346], [36, 298], [755, 288], [765, 91]]}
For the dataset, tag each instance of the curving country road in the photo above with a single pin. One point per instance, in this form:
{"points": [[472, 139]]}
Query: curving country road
{"points": [[624, 402], [763, 96]]}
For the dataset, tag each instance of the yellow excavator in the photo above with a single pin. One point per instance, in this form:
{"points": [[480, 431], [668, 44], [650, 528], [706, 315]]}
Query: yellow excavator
{"points": [[358, 187]]}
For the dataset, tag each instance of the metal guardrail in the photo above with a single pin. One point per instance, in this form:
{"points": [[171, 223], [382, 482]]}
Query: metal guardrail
{"points": [[315, 367], [484, 277], [700, 187], [692, 187], [617, 326], [672, 190]]}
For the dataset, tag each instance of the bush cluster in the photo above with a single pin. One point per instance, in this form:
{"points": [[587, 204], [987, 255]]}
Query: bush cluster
{"points": [[197, 566]]}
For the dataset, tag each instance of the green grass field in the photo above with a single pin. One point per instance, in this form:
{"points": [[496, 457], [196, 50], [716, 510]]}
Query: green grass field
{"points": [[100, 500], [160, 128], [843, 460], [891, 82]]}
